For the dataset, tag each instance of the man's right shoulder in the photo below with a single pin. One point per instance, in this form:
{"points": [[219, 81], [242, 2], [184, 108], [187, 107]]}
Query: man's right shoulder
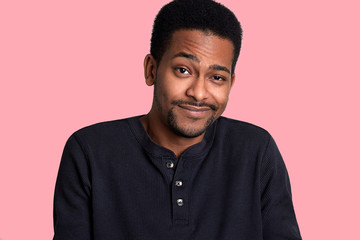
{"points": [[106, 129]]}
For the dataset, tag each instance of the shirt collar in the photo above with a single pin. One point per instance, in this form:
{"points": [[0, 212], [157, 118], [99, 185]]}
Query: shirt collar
{"points": [[198, 150]]}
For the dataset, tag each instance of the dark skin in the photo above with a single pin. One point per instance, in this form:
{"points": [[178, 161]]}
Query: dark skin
{"points": [[192, 83]]}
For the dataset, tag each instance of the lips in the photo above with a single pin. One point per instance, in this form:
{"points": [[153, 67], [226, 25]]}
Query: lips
{"points": [[195, 109], [194, 112]]}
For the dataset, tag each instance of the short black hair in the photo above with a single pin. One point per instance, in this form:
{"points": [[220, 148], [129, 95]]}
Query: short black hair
{"points": [[205, 15]]}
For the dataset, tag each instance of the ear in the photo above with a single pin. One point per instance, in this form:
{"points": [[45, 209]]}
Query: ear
{"points": [[150, 69], [232, 80]]}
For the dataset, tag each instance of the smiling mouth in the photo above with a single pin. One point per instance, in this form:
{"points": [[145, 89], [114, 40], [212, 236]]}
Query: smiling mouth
{"points": [[195, 109], [194, 106]]}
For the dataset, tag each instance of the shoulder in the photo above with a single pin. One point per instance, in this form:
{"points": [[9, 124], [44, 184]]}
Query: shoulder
{"points": [[241, 129], [233, 126], [104, 131]]}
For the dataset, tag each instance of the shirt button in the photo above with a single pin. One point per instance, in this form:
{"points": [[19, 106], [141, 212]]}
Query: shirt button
{"points": [[180, 202], [178, 183], [169, 164]]}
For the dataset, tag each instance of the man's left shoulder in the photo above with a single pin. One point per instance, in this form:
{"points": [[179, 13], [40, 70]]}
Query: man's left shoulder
{"points": [[240, 129]]}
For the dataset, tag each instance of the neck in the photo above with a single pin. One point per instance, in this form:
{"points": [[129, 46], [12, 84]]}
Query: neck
{"points": [[160, 133]]}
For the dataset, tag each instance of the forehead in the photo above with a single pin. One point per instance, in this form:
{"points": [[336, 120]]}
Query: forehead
{"points": [[205, 46]]}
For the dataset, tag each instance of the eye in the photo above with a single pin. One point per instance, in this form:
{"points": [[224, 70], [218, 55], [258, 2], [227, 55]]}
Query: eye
{"points": [[182, 70], [218, 78]]}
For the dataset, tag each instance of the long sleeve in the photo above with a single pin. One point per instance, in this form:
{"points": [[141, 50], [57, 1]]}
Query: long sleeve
{"points": [[72, 200], [113, 183], [279, 221]]}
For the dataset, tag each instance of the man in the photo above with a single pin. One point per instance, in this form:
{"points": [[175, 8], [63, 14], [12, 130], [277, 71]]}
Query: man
{"points": [[182, 171]]}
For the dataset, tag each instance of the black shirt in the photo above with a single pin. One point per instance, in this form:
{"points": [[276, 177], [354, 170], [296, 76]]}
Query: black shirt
{"points": [[114, 182]]}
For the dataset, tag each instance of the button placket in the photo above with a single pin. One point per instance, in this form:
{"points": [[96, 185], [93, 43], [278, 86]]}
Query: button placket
{"points": [[180, 194]]}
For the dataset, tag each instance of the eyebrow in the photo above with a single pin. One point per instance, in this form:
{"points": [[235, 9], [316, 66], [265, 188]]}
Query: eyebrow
{"points": [[220, 68], [194, 58], [186, 55]]}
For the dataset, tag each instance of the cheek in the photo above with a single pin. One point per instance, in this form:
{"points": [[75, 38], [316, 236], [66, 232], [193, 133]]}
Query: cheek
{"points": [[173, 89], [167, 91], [221, 96]]}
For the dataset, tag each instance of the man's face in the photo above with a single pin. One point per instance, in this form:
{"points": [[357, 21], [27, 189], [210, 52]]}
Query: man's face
{"points": [[193, 81]]}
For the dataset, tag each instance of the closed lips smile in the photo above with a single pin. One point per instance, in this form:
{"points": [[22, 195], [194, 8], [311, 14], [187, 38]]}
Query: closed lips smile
{"points": [[194, 109]]}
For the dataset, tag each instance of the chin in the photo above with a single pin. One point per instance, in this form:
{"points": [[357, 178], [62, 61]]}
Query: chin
{"points": [[191, 129], [188, 133]]}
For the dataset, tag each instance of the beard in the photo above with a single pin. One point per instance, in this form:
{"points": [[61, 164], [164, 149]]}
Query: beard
{"points": [[189, 132], [174, 123]]}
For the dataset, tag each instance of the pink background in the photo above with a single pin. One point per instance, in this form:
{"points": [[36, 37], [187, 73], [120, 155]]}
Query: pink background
{"points": [[67, 64]]}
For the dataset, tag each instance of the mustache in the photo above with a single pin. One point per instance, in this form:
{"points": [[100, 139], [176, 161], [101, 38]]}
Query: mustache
{"points": [[195, 104]]}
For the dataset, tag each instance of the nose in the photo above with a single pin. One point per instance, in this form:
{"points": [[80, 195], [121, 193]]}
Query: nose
{"points": [[198, 89]]}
